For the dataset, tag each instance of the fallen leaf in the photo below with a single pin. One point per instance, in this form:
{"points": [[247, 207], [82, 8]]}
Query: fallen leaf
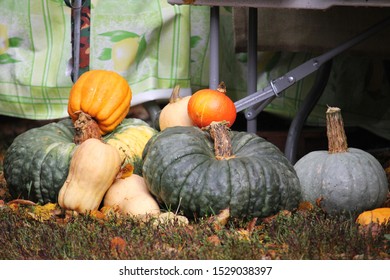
{"points": [[21, 202], [305, 206], [43, 212], [214, 239], [118, 244], [244, 234], [14, 207], [126, 171], [97, 214], [219, 221], [318, 201], [251, 225]]}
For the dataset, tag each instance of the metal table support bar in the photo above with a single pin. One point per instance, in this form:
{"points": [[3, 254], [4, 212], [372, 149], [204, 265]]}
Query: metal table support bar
{"points": [[306, 107], [252, 62], [214, 47], [76, 6]]}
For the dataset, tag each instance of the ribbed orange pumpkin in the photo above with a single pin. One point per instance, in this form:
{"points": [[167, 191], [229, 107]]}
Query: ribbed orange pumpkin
{"points": [[208, 105], [103, 95]]}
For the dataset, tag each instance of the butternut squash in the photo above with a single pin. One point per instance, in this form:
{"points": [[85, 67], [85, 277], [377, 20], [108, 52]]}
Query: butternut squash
{"points": [[93, 169], [131, 196]]}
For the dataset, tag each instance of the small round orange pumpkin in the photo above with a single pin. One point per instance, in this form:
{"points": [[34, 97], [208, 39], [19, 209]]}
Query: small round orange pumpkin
{"points": [[103, 95], [208, 105]]}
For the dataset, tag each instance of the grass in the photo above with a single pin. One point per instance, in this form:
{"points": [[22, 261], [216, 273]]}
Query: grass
{"points": [[308, 234]]}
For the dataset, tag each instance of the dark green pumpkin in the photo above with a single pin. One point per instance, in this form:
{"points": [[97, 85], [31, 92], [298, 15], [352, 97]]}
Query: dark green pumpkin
{"points": [[37, 162], [183, 173]]}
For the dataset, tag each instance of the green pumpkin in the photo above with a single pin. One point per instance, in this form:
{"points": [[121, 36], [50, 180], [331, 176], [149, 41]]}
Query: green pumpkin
{"points": [[37, 162], [182, 171], [342, 179]]}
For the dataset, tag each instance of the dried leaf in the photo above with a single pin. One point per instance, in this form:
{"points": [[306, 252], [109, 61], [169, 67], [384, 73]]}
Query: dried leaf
{"points": [[305, 206], [220, 220], [251, 225], [97, 214], [118, 244], [214, 239], [126, 171], [43, 212], [318, 201], [244, 234], [21, 202], [14, 207]]}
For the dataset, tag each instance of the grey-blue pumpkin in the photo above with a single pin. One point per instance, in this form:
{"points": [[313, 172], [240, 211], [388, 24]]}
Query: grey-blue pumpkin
{"points": [[343, 179]]}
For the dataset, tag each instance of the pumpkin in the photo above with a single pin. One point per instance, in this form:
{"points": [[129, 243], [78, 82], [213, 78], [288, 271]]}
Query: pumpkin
{"points": [[37, 162], [104, 96], [132, 197], [344, 179], [376, 216], [201, 172], [208, 105], [93, 168], [175, 113], [130, 138]]}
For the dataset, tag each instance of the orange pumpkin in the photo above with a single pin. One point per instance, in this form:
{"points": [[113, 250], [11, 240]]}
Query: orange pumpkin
{"points": [[103, 95], [378, 216], [208, 105]]}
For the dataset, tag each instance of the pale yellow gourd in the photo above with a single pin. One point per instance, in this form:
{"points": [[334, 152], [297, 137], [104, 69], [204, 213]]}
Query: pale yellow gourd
{"points": [[132, 197], [175, 113], [93, 168]]}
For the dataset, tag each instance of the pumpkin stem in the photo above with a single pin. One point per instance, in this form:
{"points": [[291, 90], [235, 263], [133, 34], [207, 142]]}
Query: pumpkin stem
{"points": [[221, 87], [175, 96], [337, 140], [85, 127], [219, 132]]}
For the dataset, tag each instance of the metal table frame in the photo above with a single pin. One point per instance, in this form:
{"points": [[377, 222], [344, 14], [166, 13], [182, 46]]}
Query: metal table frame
{"points": [[318, 87]]}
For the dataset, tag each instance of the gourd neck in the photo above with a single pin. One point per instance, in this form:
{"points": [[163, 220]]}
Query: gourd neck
{"points": [[337, 139], [175, 96], [85, 127], [219, 132]]}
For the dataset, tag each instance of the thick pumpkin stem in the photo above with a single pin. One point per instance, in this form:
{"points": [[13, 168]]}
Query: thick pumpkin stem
{"points": [[85, 127], [175, 96], [337, 140], [219, 132]]}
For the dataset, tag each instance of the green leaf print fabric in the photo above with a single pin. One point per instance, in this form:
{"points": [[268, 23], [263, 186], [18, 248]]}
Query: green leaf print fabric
{"points": [[34, 53]]}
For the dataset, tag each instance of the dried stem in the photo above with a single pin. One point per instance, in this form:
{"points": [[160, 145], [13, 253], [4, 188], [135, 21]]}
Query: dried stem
{"points": [[85, 127], [222, 87], [337, 140], [219, 132]]}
